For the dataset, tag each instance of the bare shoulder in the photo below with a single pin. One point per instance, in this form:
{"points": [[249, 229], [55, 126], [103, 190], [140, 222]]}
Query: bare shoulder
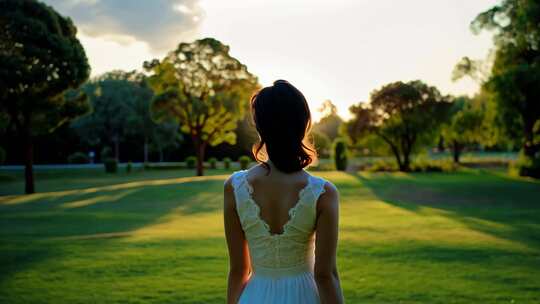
{"points": [[330, 189], [228, 193], [228, 184], [329, 199]]}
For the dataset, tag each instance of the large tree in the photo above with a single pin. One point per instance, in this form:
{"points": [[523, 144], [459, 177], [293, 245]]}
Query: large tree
{"points": [[403, 115], [464, 127], [166, 136], [330, 121], [246, 135], [140, 123], [40, 58], [110, 95], [120, 109], [514, 79], [203, 88]]}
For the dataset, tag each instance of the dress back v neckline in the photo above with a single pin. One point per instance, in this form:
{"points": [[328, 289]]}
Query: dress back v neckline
{"points": [[291, 212]]}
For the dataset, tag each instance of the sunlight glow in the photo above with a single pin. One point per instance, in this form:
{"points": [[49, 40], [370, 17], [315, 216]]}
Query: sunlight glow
{"points": [[97, 199], [340, 50]]}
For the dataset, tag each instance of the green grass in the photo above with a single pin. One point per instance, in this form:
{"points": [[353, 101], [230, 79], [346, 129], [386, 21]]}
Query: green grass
{"points": [[156, 237]]}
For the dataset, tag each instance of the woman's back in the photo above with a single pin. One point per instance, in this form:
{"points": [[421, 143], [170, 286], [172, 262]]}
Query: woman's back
{"points": [[278, 214], [276, 194]]}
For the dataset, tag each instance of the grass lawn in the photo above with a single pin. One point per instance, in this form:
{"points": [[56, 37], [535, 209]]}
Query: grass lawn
{"points": [[156, 237]]}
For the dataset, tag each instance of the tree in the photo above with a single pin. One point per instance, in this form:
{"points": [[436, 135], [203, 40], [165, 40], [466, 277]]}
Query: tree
{"points": [[403, 115], [140, 123], [514, 79], [204, 89], [464, 127], [111, 96], [477, 70], [40, 58], [121, 109], [246, 135], [165, 136], [330, 122], [323, 144], [340, 154]]}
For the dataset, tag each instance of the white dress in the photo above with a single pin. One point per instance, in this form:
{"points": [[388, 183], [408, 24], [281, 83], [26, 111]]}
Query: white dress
{"points": [[282, 264]]}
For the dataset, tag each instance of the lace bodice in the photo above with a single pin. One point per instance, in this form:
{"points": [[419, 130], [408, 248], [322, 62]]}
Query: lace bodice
{"points": [[295, 245]]}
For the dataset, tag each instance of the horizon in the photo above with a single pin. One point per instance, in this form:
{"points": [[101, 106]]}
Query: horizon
{"points": [[325, 60]]}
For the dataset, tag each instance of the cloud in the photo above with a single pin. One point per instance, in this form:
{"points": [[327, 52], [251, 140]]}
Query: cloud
{"points": [[162, 24]]}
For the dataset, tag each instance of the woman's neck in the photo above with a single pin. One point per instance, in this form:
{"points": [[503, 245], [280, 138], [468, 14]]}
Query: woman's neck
{"points": [[275, 171]]}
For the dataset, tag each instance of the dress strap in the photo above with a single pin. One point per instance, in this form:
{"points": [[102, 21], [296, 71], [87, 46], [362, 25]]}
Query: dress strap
{"points": [[316, 188], [240, 186]]}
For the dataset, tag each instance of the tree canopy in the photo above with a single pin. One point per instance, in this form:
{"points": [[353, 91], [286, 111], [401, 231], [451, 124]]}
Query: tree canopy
{"points": [[401, 114], [40, 58], [121, 109], [330, 122], [514, 78], [464, 126], [204, 89]]}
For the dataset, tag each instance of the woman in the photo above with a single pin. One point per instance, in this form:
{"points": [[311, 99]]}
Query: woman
{"points": [[273, 211]]}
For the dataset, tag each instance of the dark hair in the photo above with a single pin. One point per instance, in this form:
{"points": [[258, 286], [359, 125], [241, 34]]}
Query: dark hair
{"points": [[283, 120]]}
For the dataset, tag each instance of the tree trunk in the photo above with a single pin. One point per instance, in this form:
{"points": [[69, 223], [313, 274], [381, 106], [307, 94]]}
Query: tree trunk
{"points": [[456, 151], [117, 149], [406, 165], [440, 144], [397, 156], [28, 163], [530, 148], [145, 151], [406, 150], [200, 158], [394, 149]]}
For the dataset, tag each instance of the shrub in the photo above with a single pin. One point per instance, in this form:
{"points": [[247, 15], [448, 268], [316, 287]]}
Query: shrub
{"points": [[383, 166], [322, 144], [106, 152], [433, 166], [213, 162], [111, 165], [2, 155], [191, 161], [164, 166], [129, 167], [527, 166], [227, 163], [323, 165], [340, 154], [422, 165], [244, 161], [78, 158]]}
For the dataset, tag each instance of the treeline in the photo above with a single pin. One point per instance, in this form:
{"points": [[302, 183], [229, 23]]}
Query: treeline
{"points": [[401, 118], [195, 100], [196, 94], [119, 124]]}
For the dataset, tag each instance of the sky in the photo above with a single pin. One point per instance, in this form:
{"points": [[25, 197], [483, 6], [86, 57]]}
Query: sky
{"points": [[340, 50]]}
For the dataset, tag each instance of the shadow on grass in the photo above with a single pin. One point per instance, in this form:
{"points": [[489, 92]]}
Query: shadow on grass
{"points": [[113, 208], [30, 225], [113, 270], [22, 255], [416, 272], [476, 199], [414, 252]]}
